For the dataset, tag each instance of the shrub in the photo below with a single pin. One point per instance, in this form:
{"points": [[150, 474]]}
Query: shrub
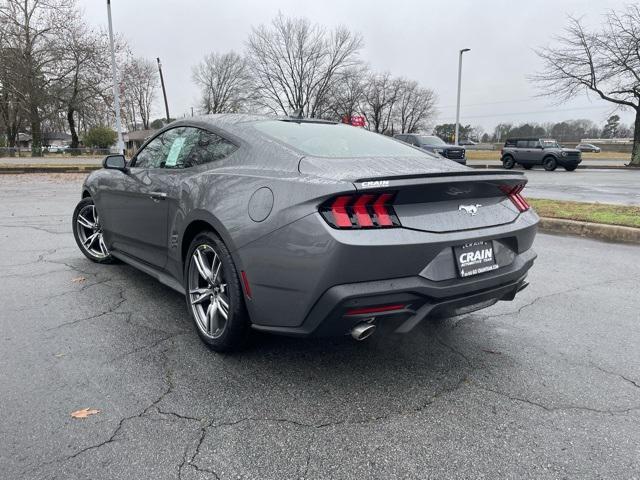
{"points": [[100, 137]]}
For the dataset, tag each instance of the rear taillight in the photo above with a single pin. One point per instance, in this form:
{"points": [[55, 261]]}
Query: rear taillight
{"points": [[369, 210], [513, 192]]}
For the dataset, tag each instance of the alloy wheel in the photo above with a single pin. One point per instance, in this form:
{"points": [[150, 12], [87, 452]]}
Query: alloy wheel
{"points": [[90, 232], [208, 294]]}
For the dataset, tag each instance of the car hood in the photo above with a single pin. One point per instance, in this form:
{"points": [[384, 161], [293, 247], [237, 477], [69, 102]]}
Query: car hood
{"points": [[443, 147], [375, 167]]}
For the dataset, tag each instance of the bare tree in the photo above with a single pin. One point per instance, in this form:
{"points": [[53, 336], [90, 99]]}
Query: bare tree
{"points": [[31, 49], [380, 97], [415, 106], [11, 115], [294, 63], [224, 82], [605, 63], [86, 68], [347, 94], [140, 84]]}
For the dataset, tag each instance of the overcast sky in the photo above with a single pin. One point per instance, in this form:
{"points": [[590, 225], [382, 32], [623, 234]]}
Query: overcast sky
{"points": [[412, 38]]}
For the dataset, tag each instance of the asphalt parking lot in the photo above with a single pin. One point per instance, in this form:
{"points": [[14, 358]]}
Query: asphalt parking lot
{"points": [[547, 386], [593, 185]]}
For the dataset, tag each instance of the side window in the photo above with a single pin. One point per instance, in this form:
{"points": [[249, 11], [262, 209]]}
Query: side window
{"points": [[180, 145], [522, 144], [210, 148], [510, 143], [534, 143], [152, 155], [168, 150]]}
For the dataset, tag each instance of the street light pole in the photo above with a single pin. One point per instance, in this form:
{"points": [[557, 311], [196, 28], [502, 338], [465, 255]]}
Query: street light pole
{"points": [[458, 102], [164, 92], [116, 86]]}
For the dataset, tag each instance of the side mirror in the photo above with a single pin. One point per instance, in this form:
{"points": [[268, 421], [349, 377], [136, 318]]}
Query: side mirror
{"points": [[115, 162]]}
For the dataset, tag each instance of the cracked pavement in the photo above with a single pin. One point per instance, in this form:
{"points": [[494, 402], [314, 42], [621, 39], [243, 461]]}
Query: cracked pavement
{"points": [[547, 386]]}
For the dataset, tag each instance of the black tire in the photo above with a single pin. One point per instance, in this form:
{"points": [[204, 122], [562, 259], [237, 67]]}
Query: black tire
{"points": [[527, 167], [550, 164], [93, 254], [571, 168], [508, 162], [235, 332]]}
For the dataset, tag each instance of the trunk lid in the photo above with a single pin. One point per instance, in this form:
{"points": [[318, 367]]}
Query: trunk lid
{"points": [[432, 195]]}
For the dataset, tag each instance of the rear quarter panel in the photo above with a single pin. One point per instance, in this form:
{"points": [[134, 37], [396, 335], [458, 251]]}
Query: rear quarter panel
{"points": [[221, 196]]}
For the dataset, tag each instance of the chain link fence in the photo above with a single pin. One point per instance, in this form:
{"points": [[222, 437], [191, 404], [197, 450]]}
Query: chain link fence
{"points": [[54, 151]]}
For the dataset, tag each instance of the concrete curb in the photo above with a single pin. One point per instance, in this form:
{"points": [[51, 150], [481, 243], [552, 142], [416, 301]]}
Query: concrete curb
{"points": [[598, 231]]}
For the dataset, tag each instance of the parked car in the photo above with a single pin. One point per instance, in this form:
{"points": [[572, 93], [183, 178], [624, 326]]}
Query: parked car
{"points": [[57, 148], [434, 144], [588, 147], [529, 152], [466, 142], [306, 227]]}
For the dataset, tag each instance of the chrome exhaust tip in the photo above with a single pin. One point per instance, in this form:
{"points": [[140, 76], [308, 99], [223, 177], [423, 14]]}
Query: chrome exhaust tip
{"points": [[362, 331]]}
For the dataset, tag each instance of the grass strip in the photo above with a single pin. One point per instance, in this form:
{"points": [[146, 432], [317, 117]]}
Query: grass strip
{"points": [[628, 216]]}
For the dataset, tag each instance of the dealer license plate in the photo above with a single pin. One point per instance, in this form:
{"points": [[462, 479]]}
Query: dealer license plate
{"points": [[475, 258]]}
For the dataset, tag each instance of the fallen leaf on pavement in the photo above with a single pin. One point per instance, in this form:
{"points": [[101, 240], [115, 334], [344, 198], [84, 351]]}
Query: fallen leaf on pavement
{"points": [[84, 413], [78, 279]]}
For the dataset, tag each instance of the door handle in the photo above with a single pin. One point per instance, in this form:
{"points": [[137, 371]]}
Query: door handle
{"points": [[157, 196]]}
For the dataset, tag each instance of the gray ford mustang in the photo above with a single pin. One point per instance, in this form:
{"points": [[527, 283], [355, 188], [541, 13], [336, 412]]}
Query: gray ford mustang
{"points": [[304, 227]]}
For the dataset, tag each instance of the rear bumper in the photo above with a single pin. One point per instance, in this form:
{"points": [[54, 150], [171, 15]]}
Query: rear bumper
{"points": [[305, 277], [421, 297]]}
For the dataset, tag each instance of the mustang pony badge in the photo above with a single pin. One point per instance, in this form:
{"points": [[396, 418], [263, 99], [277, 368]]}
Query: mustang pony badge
{"points": [[470, 209]]}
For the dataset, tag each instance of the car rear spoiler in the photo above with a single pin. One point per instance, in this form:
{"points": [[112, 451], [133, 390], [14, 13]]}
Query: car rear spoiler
{"points": [[461, 177]]}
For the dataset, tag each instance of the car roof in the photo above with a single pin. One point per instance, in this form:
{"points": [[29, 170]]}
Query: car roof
{"points": [[237, 123]]}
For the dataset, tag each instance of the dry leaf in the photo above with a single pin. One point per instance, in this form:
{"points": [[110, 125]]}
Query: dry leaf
{"points": [[78, 279], [84, 413], [58, 355]]}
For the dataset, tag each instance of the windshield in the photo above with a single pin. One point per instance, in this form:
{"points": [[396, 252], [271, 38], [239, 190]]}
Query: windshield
{"points": [[335, 140], [430, 140], [549, 144]]}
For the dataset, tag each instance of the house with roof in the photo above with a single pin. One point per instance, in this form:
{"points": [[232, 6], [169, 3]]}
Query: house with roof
{"points": [[55, 139], [134, 140]]}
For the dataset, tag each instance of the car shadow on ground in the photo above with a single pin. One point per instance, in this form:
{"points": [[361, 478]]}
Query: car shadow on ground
{"points": [[318, 379]]}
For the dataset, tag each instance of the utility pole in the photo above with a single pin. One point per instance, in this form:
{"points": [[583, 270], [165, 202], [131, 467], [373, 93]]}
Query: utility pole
{"points": [[458, 102], [116, 85], [164, 92]]}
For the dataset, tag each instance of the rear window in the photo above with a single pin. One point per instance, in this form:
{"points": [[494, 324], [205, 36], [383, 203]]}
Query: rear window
{"points": [[336, 140]]}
